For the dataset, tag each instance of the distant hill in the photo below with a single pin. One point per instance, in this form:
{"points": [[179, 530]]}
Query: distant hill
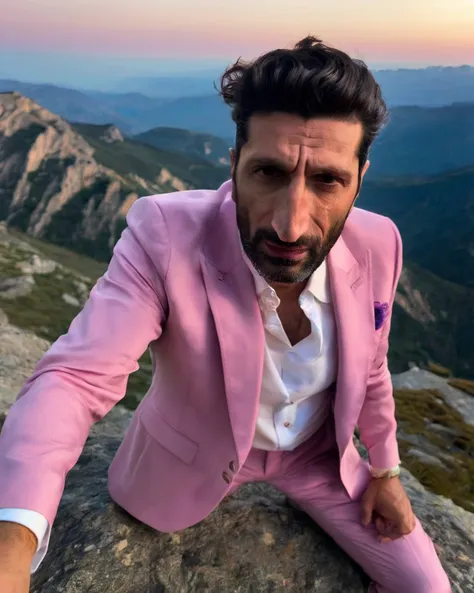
{"points": [[191, 102], [207, 114], [432, 86], [433, 320], [134, 158], [69, 103], [428, 87], [132, 112], [206, 146], [171, 87], [424, 141], [436, 219], [73, 184]]}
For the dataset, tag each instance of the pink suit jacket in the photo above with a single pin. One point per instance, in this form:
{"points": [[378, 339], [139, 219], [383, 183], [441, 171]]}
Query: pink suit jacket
{"points": [[178, 284]]}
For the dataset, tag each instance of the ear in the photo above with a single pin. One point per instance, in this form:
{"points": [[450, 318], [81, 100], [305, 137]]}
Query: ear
{"points": [[232, 161], [362, 174], [365, 169]]}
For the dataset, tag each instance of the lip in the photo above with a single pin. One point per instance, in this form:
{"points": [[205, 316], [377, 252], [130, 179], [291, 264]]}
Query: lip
{"points": [[294, 253]]}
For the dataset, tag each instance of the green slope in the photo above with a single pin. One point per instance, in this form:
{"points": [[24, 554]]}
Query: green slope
{"points": [[203, 146], [424, 141], [435, 217], [444, 334], [132, 157]]}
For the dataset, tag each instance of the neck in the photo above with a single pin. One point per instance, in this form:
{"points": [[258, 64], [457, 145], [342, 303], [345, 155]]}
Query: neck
{"points": [[288, 292]]}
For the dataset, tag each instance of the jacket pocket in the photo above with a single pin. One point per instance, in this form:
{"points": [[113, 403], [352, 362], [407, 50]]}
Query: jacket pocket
{"points": [[167, 436]]}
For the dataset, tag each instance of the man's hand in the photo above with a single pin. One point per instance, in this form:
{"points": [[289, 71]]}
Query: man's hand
{"points": [[386, 504], [17, 548]]}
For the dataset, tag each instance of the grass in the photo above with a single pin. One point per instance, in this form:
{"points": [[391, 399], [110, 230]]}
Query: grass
{"points": [[463, 385], [456, 480], [44, 311], [83, 265], [438, 369]]}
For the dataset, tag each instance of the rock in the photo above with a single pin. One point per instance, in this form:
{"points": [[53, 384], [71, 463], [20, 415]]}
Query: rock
{"points": [[18, 286], [83, 290], [433, 427], [20, 350], [37, 265], [421, 379], [252, 542], [71, 300], [112, 134], [425, 458]]}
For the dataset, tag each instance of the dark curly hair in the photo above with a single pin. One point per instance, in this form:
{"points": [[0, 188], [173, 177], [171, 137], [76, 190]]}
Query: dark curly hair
{"points": [[311, 80]]}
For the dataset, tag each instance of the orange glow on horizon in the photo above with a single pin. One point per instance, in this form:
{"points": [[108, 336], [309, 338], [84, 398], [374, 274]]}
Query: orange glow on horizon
{"points": [[431, 31]]}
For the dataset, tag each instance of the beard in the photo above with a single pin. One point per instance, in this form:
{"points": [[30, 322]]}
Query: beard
{"points": [[277, 269]]}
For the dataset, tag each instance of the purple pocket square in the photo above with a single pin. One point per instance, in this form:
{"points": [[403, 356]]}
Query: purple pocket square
{"points": [[380, 314]]}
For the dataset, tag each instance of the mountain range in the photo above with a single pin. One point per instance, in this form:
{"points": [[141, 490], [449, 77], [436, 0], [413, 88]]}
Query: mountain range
{"points": [[192, 103], [431, 86], [73, 184]]}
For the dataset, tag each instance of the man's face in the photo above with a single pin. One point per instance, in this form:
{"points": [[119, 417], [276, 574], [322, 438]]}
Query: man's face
{"points": [[294, 186]]}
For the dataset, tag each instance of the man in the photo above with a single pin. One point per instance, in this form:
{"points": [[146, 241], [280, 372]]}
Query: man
{"points": [[266, 306]]}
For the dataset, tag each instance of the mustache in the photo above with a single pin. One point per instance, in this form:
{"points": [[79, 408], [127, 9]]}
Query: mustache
{"points": [[271, 235]]}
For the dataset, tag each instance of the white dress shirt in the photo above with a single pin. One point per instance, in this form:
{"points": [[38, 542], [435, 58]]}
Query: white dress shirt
{"points": [[298, 381]]}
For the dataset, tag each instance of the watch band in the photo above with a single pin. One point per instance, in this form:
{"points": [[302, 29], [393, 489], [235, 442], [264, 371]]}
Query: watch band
{"points": [[385, 473]]}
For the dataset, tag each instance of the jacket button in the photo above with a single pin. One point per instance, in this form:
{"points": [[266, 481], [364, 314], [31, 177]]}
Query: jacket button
{"points": [[232, 466], [226, 477]]}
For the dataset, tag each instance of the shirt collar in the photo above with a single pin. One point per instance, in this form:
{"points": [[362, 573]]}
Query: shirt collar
{"points": [[317, 285]]}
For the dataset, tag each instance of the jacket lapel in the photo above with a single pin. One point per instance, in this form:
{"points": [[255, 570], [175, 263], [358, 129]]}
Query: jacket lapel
{"points": [[234, 306], [351, 286]]}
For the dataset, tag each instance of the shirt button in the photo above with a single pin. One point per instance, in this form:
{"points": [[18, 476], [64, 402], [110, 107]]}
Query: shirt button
{"points": [[232, 466], [286, 425], [226, 477]]}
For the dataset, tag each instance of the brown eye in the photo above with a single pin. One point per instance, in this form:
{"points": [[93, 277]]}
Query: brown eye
{"points": [[270, 172], [327, 179]]}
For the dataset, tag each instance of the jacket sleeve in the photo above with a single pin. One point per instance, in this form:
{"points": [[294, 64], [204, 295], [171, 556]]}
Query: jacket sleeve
{"points": [[85, 372], [377, 424]]}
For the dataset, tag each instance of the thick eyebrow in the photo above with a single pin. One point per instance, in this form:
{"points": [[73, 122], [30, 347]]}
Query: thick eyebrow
{"points": [[339, 172]]}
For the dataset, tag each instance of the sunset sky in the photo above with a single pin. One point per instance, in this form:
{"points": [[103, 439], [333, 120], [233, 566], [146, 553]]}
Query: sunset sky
{"points": [[49, 39]]}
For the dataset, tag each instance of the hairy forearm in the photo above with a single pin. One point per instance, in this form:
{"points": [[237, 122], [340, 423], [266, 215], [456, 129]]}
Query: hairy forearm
{"points": [[17, 546]]}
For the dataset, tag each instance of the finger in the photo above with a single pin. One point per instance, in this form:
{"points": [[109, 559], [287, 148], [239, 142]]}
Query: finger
{"points": [[385, 539], [367, 510], [409, 525], [384, 527]]}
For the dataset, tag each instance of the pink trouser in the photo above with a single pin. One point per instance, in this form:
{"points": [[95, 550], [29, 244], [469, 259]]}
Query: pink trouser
{"points": [[309, 476]]}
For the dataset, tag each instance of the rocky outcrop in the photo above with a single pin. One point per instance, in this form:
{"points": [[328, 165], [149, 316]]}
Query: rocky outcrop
{"points": [[49, 176], [253, 542], [75, 187], [112, 134], [417, 378], [19, 352], [412, 301]]}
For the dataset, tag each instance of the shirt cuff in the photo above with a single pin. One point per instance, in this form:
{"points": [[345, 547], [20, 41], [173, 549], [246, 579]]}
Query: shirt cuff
{"points": [[37, 524]]}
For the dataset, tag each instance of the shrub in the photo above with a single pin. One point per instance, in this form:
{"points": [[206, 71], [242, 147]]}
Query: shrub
{"points": [[463, 385], [438, 369]]}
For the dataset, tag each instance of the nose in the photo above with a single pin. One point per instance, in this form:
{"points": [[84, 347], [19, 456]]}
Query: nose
{"points": [[291, 214]]}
